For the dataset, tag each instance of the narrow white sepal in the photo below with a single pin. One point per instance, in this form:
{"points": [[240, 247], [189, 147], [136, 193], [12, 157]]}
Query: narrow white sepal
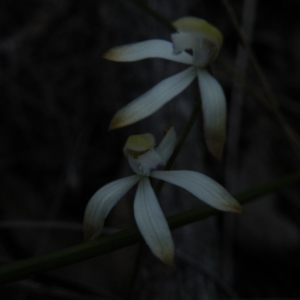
{"points": [[167, 145], [152, 223], [102, 202], [154, 99], [214, 112], [201, 186], [147, 49]]}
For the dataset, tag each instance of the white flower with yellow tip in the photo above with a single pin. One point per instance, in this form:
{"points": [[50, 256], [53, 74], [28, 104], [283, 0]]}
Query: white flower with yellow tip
{"points": [[205, 42], [144, 159]]}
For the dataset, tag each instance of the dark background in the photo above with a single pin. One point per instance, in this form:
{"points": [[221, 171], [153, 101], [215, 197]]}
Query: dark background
{"points": [[57, 98]]}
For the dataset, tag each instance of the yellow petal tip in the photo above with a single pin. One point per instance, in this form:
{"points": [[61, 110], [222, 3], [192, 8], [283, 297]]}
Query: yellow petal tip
{"points": [[168, 260], [117, 122], [216, 147], [111, 55], [111, 126], [237, 208]]}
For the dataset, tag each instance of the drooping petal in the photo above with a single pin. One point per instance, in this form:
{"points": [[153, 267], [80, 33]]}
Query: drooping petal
{"points": [[167, 145], [147, 49], [201, 186], [154, 99], [102, 202], [152, 222], [214, 112]]}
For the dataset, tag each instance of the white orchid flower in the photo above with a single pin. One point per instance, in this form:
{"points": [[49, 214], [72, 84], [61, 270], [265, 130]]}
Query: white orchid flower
{"points": [[144, 159], [205, 42]]}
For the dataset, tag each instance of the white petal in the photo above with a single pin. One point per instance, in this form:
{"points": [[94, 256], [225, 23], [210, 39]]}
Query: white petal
{"points": [[167, 145], [145, 163], [185, 41], [147, 49], [204, 50], [201, 186], [152, 222], [135, 165], [214, 112], [153, 100], [102, 202]]}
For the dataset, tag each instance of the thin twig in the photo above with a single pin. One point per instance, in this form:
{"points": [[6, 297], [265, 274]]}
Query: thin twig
{"points": [[40, 225], [292, 136], [234, 134], [27, 267], [153, 13]]}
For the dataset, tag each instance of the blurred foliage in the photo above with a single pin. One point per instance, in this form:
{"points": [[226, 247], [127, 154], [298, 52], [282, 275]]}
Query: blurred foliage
{"points": [[57, 98]]}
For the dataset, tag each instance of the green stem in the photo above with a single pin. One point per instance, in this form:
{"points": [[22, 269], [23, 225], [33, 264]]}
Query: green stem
{"points": [[180, 143], [27, 267]]}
